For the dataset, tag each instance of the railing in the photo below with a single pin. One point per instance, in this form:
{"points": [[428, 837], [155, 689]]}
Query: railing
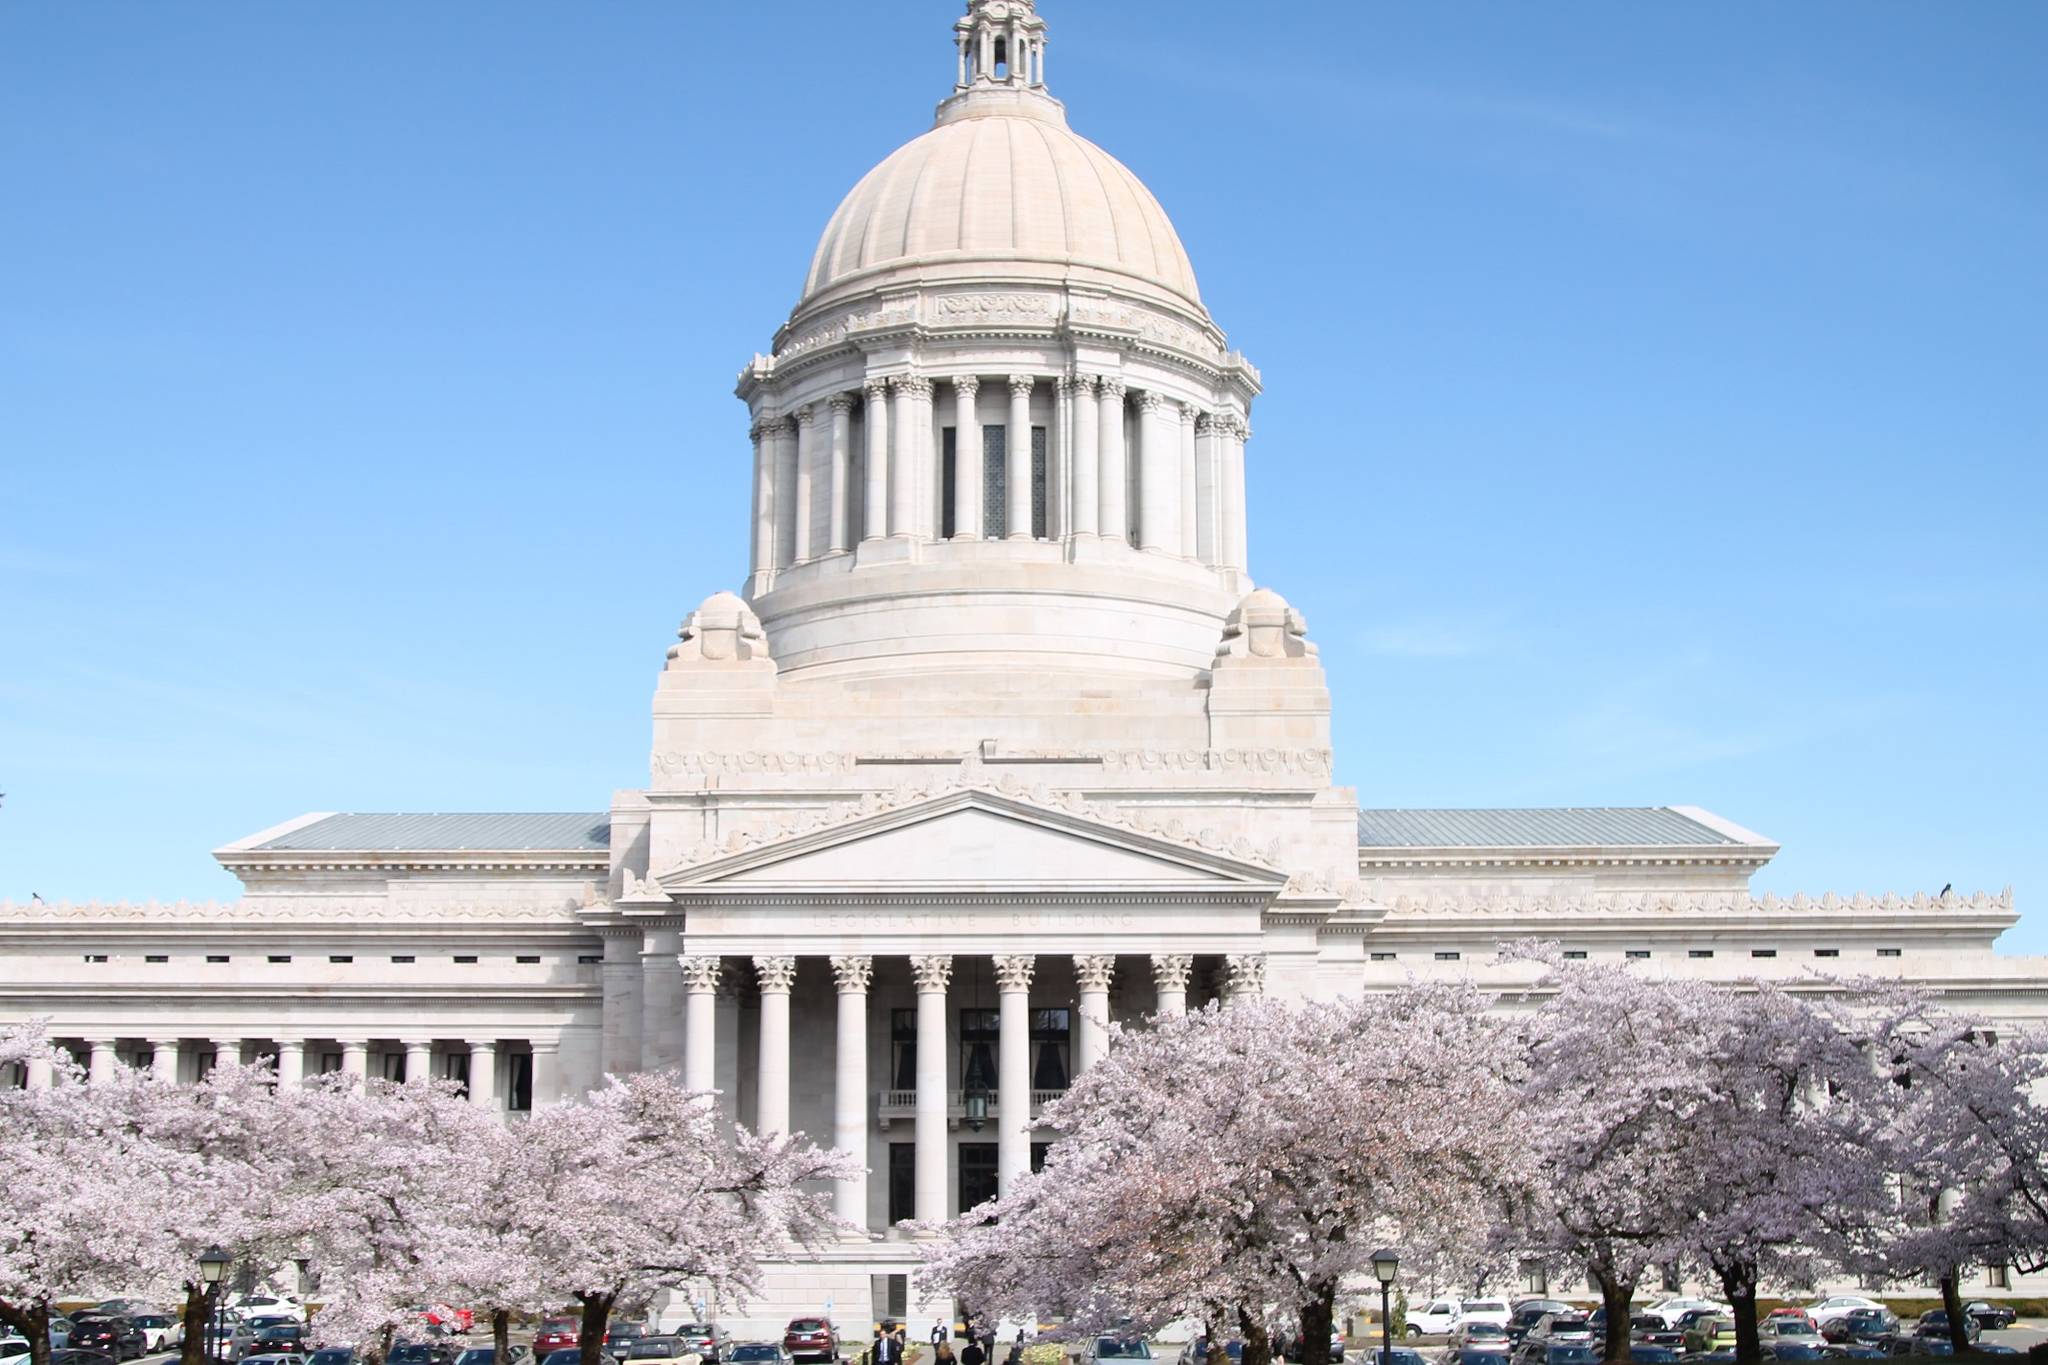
{"points": [[902, 1104]]}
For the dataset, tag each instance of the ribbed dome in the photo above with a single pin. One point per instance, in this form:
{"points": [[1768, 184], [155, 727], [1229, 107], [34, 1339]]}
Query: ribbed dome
{"points": [[1003, 187]]}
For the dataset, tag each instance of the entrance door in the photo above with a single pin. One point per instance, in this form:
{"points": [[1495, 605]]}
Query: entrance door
{"points": [[977, 1173]]}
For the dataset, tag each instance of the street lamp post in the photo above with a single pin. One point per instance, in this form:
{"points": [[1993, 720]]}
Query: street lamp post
{"points": [[1385, 1263], [213, 1264]]}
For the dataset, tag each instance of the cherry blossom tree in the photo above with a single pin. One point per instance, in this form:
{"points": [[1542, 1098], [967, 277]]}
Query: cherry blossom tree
{"points": [[60, 1202], [1968, 1145], [1250, 1156], [643, 1187]]}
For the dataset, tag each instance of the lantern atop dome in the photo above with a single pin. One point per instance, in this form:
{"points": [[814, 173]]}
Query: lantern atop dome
{"points": [[1001, 42]]}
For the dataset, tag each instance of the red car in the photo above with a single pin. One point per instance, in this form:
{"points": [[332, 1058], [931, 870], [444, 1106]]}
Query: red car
{"points": [[557, 1334], [811, 1339], [442, 1318]]}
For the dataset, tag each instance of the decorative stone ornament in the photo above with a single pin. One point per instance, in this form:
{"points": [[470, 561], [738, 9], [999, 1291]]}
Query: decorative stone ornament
{"points": [[1244, 975], [724, 630], [775, 975], [853, 975], [701, 975], [1170, 971], [934, 973], [1092, 972], [1013, 973]]}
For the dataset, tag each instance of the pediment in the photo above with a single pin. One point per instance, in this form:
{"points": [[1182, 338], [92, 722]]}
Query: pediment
{"points": [[975, 840]]}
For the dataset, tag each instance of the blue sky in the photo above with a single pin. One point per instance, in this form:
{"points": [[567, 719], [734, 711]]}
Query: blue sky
{"points": [[1656, 412]]}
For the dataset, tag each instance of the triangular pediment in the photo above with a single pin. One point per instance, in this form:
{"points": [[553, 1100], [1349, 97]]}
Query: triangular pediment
{"points": [[975, 839]]}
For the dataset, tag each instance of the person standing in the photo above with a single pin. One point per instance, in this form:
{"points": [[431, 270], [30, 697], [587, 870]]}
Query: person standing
{"points": [[974, 1354]]}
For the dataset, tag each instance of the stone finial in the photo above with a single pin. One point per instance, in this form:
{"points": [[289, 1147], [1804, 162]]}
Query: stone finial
{"points": [[1093, 972], [1013, 973], [933, 973], [1263, 626], [723, 631], [700, 974], [853, 974], [775, 975], [1170, 971]]}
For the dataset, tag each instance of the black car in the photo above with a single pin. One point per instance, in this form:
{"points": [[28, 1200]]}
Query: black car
{"points": [[421, 1353], [286, 1338], [119, 1338], [1867, 1325], [1530, 1312], [1648, 1329], [620, 1336], [333, 1355], [1934, 1324], [1992, 1317], [70, 1356]]}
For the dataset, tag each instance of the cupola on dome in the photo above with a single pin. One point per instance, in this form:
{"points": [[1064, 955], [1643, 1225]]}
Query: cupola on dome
{"points": [[1002, 179]]}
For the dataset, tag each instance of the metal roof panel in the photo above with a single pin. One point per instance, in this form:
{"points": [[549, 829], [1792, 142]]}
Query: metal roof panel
{"points": [[1552, 827], [438, 833]]}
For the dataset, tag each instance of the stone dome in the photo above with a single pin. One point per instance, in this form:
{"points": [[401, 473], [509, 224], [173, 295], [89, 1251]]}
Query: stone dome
{"points": [[1002, 180]]}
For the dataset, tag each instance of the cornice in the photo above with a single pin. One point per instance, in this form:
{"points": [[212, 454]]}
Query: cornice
{"points": [[1383, 861], [1450, 907], [229, 993], [938, 899], [572, 861]]}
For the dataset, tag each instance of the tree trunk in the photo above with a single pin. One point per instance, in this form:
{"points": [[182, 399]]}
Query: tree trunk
{"points": [[197, 1317], [1616, 1296], [1316, 1316], [33, 1322], [1739, 1284], [384, 1339], [597, 1317], [1258, 1343], [1952, 1304], [501, 1335]]}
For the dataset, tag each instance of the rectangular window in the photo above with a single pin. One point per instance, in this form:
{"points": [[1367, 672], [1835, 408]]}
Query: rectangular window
{"points": [[280, 957], [1671, 1282], [1448, 957], [1038, 500], [402, 957], [330, 1062], [978, 1032], [903, 1059], [1699, 952], [1038, 1155], [1535, 1279], [465, 959], [519, 1094], [528, 959], [891, 1295], [216, 957], [995, 482], [949, 480], [393, 1065], [341, 959], [203, 1064], [1763, 952], [456, 1068], [1827, 952], [584, 959], [96, 957], [1575, 955], [1890, 952], [1051, 1032], [157, 957], [977, 1174], [902, 1182], [1639, 954], [1997, 1277], [1384, 957]]}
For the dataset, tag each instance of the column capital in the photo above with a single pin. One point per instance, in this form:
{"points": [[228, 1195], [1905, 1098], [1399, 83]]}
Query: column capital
{"points": [[758, 430], [1113, 387], [877, 389], [782, 424], [843, 401], [1093, 972], [1151, 400], [700, 973], [775, 974], [1170, 971], [1245, 974], [417, 1044], [282, 1043], [1209, 424], [481, 1044], [933, 973], [806, 415], [1013, 973], [967, 385], [854, 974], [1086, 383], [163, 1042], [538, 1045], [916, 385], [1021, 385]]}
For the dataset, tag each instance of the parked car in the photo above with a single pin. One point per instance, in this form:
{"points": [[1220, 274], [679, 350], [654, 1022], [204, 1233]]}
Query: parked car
{"points": [[1775, 1328], [282, 1359], [125, 1308], [515, 1354], [761, 1353], [1672, 1309], [421, 1353], [263, 1304], [1484, 1310], [1109, 1348], [12, 1345], [557, 1334], [1554, 1353], [1489, 1338], [1709, 1333], [1434, 1318], [160, 1331], [1837, 1306], [660, 1347], [567, 1355], [74, 1355], [333, 1355], [1992, 1317], [1568, 1328], [1646, 1353], [117, 1338], [60, 1330], [278, 1339], [1529, 1312], [707, 1339], [1797, 1348], [1934, 1323], [1649, 1329], [620, 1336], [1402, 1355], [1859, 1350], [1864, 1325], [1791, 1313], [811, 1339]]}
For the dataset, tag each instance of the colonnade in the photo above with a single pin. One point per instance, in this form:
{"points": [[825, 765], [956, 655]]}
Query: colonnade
{"points": [[290, 1057], [1104, 445], [702, 976]]}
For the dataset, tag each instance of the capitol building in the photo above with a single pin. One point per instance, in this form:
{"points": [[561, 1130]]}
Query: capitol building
{"points": [[999, 740]]}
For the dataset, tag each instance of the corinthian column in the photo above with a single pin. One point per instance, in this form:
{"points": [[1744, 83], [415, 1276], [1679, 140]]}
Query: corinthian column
{"points": [[1170, 975], [1236, 432], [874, 522], [805, 502], [1114, 477], [1209, 491], [850, 1086], [1013, 1070], [1084, 482], [1244, 977], [967, 475], [763, 546], [1158, 475], [1091, 1037], [903, 478], [771, 1105], [836, 539], [1017, 467], [700, 996], [782, 431], [933, 975], [1189, 498]]}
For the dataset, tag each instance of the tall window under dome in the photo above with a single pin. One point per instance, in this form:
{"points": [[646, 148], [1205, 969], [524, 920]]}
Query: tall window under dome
{"points": [[995, 482]]}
